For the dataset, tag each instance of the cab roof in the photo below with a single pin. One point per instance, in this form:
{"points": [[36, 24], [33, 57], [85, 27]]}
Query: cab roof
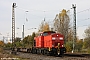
{"points": [[49, 32]]}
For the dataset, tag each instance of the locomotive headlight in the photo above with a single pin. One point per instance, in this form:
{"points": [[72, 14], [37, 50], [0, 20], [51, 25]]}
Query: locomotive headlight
{"points": [[52, 45], [61, 38], [57, 35], [62, 46], [53, 38]]}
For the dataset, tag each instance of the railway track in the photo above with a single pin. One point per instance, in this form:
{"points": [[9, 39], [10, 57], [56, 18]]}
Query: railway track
{"points": [[30, 56], [77, 55], [65, 57]]}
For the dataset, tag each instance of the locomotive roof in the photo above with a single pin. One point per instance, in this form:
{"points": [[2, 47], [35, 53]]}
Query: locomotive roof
{"points": [[49, 31]]}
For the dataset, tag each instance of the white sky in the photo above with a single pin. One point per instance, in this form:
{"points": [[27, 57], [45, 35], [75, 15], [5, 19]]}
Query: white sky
{"points": [[36, 14]]}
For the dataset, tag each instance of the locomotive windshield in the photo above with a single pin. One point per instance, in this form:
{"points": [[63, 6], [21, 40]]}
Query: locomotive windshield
{"points": [[45, 34], [48, 33]]}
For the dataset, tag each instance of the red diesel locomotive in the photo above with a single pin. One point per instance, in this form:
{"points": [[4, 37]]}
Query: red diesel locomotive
{"points": [[49, 43]]}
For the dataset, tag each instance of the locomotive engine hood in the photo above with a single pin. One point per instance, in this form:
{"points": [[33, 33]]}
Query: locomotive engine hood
{"points": [[57, 40]]}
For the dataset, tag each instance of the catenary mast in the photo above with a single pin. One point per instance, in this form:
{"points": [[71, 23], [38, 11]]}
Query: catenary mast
{"points": [[13, 23], [74, 25]]}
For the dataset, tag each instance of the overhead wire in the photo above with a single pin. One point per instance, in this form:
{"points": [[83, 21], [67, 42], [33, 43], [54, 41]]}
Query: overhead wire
{"points": [[54, 10], [84, 20], [81, 12], [45, 11]]}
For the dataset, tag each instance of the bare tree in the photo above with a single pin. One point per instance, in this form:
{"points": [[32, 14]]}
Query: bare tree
{"points": [[61, 23], [87, 37], [44, 26]]}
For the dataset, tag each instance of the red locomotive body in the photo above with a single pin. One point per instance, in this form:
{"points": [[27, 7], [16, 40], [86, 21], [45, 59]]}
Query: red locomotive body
{"points": [[49, 42], [39, 42], [53, 40]]}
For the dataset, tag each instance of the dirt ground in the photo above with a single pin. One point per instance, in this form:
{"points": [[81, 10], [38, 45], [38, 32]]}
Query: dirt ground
{"points": [[6, 55]]}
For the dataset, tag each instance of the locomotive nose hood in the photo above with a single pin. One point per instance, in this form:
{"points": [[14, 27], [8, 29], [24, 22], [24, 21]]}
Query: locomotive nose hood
{"points": [[57, 37]]}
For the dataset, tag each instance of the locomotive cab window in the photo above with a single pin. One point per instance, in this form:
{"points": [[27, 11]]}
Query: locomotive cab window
{"points": [[45, 34], [48, 33]]}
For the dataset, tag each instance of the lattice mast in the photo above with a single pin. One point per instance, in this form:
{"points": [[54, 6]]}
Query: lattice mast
{"points": [[74, 26], [13, 23]]}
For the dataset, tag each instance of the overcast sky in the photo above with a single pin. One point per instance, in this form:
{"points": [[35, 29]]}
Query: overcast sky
{"points": [[38, 10]]}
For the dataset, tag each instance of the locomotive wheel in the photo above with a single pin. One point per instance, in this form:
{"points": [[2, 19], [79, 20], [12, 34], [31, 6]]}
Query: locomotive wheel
{"points": [[48, 53], [54, 52], [33, 50], [42, 52], [38, 51]]}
